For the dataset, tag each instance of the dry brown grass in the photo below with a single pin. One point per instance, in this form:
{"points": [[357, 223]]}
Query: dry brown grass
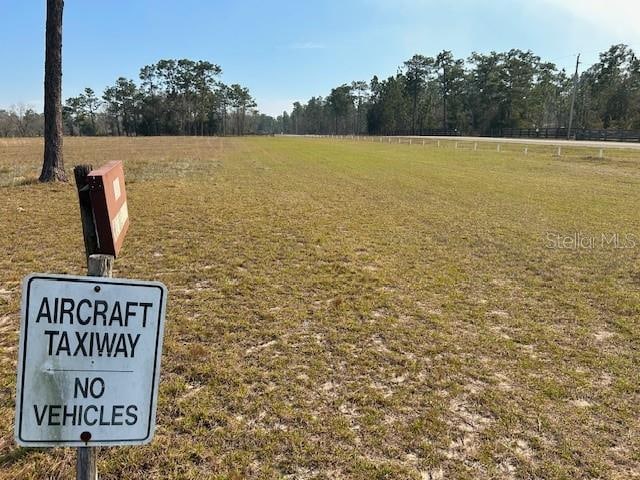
{"points": [[355, 310]]}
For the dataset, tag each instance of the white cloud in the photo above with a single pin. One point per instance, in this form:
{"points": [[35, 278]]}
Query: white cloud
{"points": [[616, 17]]}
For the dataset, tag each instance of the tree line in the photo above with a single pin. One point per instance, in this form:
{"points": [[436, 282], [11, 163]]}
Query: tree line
{"points": [[21, 121], [171, 97], [480, 95]]}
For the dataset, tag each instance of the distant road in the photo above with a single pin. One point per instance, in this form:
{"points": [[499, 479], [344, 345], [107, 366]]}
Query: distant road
{"points": [[520, 141], [539, 141]]}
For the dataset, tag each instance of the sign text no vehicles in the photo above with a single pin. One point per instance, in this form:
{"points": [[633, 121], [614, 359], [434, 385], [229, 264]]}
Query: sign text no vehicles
{"points": [[89, 360]]}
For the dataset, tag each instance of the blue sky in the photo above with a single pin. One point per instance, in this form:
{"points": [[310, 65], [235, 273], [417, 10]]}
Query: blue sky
{"points": [[287, 50]]}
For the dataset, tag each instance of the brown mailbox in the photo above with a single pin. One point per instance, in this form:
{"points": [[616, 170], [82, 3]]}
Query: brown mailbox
{"points": [[109, 205]]}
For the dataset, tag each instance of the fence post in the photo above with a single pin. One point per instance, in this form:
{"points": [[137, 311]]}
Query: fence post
{"points": [[526, 150], [475, 147], [559, 151], [438, 143], [601, 154], [498, 148]]}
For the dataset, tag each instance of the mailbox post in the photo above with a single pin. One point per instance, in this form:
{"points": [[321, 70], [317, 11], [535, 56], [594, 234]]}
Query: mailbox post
{"points": [[90, 348], [109, 203], [103, 200]]}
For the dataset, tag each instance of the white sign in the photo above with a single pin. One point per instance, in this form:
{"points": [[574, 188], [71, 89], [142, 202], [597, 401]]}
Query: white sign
{"points": [[89, 361]]}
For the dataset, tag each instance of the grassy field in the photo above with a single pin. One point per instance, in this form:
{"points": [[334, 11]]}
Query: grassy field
{"points": [[344, 309]]}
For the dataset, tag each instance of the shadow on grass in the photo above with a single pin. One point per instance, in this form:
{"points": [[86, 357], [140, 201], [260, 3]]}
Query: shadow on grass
{"points": [[595, 159], [19, 182], [30, 181]]}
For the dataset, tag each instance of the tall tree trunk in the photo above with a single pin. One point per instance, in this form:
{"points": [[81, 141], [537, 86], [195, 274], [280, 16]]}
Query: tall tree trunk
{"points": [[53, 165]]}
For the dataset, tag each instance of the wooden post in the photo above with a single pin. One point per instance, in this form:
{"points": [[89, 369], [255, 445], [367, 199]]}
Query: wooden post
{"points": [[87, 458], [438, 143], [498, 148], [601, 154], [475, 147], [526, 150], [86, 213], [86, 464], [100, 266]]}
